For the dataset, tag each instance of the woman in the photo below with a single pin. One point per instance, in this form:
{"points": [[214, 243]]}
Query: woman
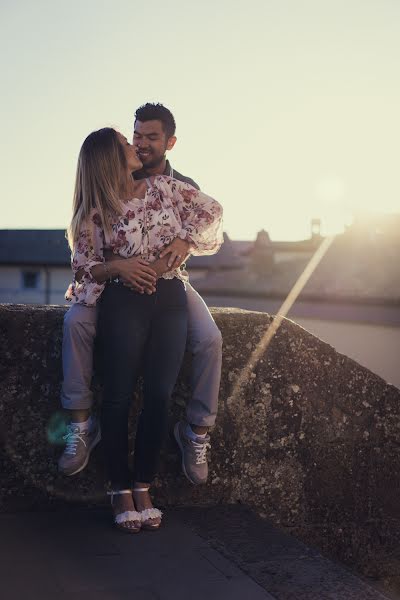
{"points": [[134, 220]]}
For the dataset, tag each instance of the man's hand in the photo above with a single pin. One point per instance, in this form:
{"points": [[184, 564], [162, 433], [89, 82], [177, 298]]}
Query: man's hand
{"points": [[178, 251], [136, 274]]}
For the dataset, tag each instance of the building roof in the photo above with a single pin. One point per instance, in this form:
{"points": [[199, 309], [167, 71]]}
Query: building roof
{"points": [[351, 269], [354, 267], [226, 258], [246, 248], [34, 247], [50, 247]]}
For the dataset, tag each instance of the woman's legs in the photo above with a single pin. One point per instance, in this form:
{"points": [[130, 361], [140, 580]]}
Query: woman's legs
{"points": [[124, 326], [127, 321], [163, 358]]}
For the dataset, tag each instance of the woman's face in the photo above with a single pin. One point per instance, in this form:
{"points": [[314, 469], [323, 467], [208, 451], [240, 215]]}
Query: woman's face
{"points": [[132, 160]]}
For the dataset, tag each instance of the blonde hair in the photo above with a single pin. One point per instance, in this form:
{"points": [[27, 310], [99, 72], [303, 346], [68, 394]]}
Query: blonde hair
{"points": [[99, 175]]}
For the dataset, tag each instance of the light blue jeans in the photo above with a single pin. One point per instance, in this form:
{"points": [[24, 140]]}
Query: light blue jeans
{"points": [[204, 341]]}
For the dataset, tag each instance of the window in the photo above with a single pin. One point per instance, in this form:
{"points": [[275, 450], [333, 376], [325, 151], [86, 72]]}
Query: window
{"points": [[30, 279]]}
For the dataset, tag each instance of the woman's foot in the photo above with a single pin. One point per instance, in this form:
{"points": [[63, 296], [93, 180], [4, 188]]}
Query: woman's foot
{"points": [[150, 516], [126, 517]]}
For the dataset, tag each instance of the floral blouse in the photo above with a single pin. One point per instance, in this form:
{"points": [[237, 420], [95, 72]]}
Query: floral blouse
{"points": [[170, 209]]}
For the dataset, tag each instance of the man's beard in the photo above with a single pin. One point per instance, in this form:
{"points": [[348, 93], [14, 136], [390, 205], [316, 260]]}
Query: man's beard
{"points": [[152, 164]]}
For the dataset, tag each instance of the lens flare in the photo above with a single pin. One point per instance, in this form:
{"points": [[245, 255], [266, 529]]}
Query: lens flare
{"points": [[56, 429], [282, 312]]}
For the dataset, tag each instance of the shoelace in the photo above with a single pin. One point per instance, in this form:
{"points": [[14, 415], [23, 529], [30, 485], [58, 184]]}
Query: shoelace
{"points": [[201, 452], [72, 437]]}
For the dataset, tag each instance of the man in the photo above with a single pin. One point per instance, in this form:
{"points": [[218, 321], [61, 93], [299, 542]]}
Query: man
{"points": [[154, 134]]}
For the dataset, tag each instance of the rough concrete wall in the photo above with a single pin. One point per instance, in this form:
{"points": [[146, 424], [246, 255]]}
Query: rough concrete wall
{"points": [[310, 439]]}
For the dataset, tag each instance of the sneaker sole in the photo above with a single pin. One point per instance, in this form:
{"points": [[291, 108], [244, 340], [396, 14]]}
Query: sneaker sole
{"points": [[84, 465], [178, 441]]}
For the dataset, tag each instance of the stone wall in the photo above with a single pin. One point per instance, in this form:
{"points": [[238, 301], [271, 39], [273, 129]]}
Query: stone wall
{"points": [[310, 439]]}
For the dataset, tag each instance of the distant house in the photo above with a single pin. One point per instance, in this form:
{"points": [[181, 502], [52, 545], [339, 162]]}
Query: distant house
{"points": [[228, 258], [376, 227], [34, 266], [264, 254]]}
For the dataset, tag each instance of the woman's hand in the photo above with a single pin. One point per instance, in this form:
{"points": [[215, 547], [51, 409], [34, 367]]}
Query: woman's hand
{"points": [[178, 250], [136, 274]]}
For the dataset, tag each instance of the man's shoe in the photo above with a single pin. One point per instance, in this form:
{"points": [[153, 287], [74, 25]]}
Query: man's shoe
{"points": [[79, 445], [194, 454]]}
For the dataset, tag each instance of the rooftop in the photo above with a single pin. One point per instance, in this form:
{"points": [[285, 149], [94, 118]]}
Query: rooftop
{"points": [[34, 247]]}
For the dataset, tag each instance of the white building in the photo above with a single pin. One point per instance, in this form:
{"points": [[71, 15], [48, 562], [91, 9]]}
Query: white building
{"points": [[34, 266]]}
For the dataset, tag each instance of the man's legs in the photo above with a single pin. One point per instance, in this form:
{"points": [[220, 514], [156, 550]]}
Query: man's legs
{"points": [[79, 332], [205, 343]]}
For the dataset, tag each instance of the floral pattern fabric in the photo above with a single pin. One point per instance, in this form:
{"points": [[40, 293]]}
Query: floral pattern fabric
{"points": [[170, 209]]}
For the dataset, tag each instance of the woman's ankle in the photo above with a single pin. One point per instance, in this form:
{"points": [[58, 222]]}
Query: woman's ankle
{"points": [[141, 495], [140, 486], [122, 502]]}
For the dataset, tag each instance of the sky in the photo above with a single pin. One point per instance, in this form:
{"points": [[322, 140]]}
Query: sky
{"points": [[286, 110]]}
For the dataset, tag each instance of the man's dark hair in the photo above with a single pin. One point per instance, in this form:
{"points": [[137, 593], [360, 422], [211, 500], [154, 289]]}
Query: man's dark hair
{"points": [[157, 112]]}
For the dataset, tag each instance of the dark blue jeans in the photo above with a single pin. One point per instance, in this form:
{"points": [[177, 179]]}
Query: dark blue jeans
{"points": [[139, 330]]}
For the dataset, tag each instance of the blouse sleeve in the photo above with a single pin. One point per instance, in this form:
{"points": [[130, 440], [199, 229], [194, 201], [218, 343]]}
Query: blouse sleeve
{"points": [[87, 253], [201, 218]]}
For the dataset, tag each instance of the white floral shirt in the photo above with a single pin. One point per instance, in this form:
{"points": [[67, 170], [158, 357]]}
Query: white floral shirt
{"points": [[170, 209]]}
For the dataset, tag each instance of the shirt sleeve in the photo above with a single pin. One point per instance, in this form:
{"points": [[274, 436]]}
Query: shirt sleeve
{"points": [[87, 253], [201, 218]]}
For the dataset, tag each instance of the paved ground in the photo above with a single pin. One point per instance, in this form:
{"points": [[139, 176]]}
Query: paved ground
{"points": [[220, 553]]}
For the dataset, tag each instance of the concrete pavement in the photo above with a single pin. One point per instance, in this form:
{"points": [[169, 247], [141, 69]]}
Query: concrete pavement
{"points": [[218, 553]]}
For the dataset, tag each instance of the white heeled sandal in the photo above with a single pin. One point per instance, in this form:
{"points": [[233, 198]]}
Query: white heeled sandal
{"points": [[148, 515], [121, 520]]}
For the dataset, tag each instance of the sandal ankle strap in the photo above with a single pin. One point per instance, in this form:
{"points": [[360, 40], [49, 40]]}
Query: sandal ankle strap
{"points": [[118, 492]]}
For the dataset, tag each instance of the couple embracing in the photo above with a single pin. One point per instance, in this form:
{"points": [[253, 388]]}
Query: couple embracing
{"points": [[135, 221]]}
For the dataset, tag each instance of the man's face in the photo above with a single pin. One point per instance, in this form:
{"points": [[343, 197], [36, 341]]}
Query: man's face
{"points": [[151, 142]]}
